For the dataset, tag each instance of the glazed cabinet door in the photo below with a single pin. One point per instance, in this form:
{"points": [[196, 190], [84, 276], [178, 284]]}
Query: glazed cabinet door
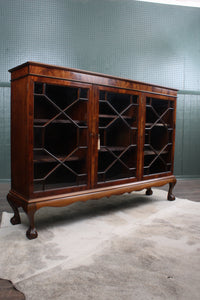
{"points": [[117, 143], [159, 136], [61, 145]]}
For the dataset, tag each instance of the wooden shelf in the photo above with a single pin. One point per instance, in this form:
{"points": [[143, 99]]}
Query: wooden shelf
{"points": [[169, 108], [151, 152], [107, 116], [115, 116], [107, 148], [59, 121], [44, 159], [158, 125]]}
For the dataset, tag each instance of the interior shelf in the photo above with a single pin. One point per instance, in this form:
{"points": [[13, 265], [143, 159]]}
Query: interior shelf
{"points": [[44, 159], [107, 148], [151, 152], [115, 116], [158, 125], [59, 121]]}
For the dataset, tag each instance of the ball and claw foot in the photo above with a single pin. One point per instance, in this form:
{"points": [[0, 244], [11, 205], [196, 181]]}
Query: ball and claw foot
{"points": [[170, 196], [149, 192], [31, 233], [15, 220]]}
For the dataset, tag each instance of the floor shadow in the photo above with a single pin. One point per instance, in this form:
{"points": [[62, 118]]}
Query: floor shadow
{"points": [[89, 209]]}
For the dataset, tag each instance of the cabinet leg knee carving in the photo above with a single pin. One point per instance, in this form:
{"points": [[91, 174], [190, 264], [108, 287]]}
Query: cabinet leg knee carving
{"points": [[31, 232], [170, 196], [16, 218], [149, 192]]}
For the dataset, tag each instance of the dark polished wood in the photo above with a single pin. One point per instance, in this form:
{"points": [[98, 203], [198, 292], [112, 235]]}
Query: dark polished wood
{"points": [[79, 135], [149, 192], [58, 72], [30, 211], [170, 196], [16, 218]]}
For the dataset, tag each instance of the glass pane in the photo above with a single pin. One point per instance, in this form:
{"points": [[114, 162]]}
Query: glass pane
{"points": [[60, 136], [158, 136], [117, 151]]}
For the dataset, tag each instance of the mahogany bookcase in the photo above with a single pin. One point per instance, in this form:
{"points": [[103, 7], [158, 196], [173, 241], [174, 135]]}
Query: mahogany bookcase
{"points": [[78, 135]]}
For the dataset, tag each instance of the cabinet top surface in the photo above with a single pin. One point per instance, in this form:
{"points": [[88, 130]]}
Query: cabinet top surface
{"points": [[40, 69]]}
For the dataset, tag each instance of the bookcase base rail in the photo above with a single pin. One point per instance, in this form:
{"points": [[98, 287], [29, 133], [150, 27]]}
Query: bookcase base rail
{"points": [[30, 206]]}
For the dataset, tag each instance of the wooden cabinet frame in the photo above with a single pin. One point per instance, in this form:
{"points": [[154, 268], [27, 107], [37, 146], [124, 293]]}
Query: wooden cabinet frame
{"points": [[78, 135]]}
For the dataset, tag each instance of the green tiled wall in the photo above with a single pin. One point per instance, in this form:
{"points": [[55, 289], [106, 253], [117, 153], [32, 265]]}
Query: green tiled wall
{"points": [[187, 150], [155, 43]]}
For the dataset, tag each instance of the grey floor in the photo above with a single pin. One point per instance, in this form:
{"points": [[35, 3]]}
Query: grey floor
{"points": [[187, 189]]}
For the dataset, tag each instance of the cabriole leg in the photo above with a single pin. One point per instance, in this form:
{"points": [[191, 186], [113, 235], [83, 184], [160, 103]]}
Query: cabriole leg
{"points": [[31, 232], [16, 218], [170, 196], [149, 192]]}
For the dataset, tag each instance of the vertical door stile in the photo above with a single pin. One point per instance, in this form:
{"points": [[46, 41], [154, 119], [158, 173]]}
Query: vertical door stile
{"points": [[94, 111], [30, 133], [141, 134], [174, 132], [89, 142]]}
